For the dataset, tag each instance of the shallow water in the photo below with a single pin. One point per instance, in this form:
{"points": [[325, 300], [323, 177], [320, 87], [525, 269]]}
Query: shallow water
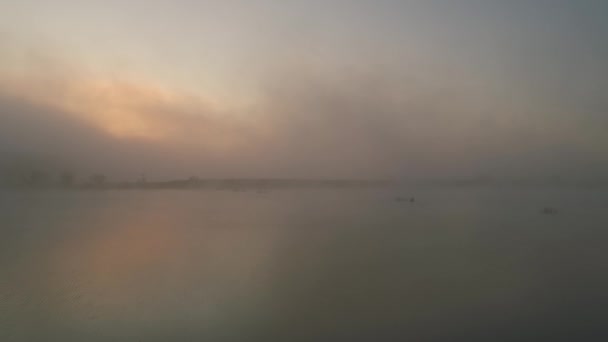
{"points": [[459, 264]]}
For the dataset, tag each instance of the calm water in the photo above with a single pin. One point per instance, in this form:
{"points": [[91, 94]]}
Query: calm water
{"points": [[460, 264]]}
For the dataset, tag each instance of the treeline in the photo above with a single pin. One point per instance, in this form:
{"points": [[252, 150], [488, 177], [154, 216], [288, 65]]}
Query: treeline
{"points": [[20, 178], [36, 179]]}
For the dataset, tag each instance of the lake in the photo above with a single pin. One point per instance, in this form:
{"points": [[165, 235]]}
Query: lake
{"points": [[458, 264]]}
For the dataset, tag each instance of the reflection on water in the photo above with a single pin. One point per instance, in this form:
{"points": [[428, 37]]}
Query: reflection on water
{"points": [[459, 264]]}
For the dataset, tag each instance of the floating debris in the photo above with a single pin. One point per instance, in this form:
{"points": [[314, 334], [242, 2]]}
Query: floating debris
{"points": [[404, 199], [549, 211]]}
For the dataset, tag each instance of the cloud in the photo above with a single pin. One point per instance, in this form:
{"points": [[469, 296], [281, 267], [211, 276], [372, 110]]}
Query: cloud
{"points": [[306, 123], [122, 129]]}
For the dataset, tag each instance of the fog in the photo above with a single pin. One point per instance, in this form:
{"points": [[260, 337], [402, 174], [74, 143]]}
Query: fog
{"points": [[260, 170], [359, 123], [395, 90]]}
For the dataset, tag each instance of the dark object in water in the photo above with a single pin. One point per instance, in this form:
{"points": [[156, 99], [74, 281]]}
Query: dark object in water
{"points": [[403, 199], [549, 211]]}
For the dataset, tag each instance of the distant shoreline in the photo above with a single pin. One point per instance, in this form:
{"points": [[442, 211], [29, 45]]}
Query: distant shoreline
{"points": [[226, 184], [286, 183]]}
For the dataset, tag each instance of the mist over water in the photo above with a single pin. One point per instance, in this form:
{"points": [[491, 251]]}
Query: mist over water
{"points": [[336, 170], [458, 264]]}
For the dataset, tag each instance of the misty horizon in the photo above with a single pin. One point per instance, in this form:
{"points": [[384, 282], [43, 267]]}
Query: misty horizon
{"points": [[319, 170]]}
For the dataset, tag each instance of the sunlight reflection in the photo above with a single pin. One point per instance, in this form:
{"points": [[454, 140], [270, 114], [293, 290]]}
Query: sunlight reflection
{"points": [[147, 267]]}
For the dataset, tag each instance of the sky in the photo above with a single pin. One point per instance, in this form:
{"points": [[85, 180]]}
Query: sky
{"points": [[260, 88]]}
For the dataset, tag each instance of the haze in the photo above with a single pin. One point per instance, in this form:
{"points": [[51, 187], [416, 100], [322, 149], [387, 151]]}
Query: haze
{"points": [[338, 170], [354, 89]]}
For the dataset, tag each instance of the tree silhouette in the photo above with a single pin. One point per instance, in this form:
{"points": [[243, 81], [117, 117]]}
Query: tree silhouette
{"points": [[66, 179], [98, 180], [37, 178]]}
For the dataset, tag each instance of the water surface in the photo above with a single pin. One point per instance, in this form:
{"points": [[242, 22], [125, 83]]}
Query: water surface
{"points": [[459, 264]]}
